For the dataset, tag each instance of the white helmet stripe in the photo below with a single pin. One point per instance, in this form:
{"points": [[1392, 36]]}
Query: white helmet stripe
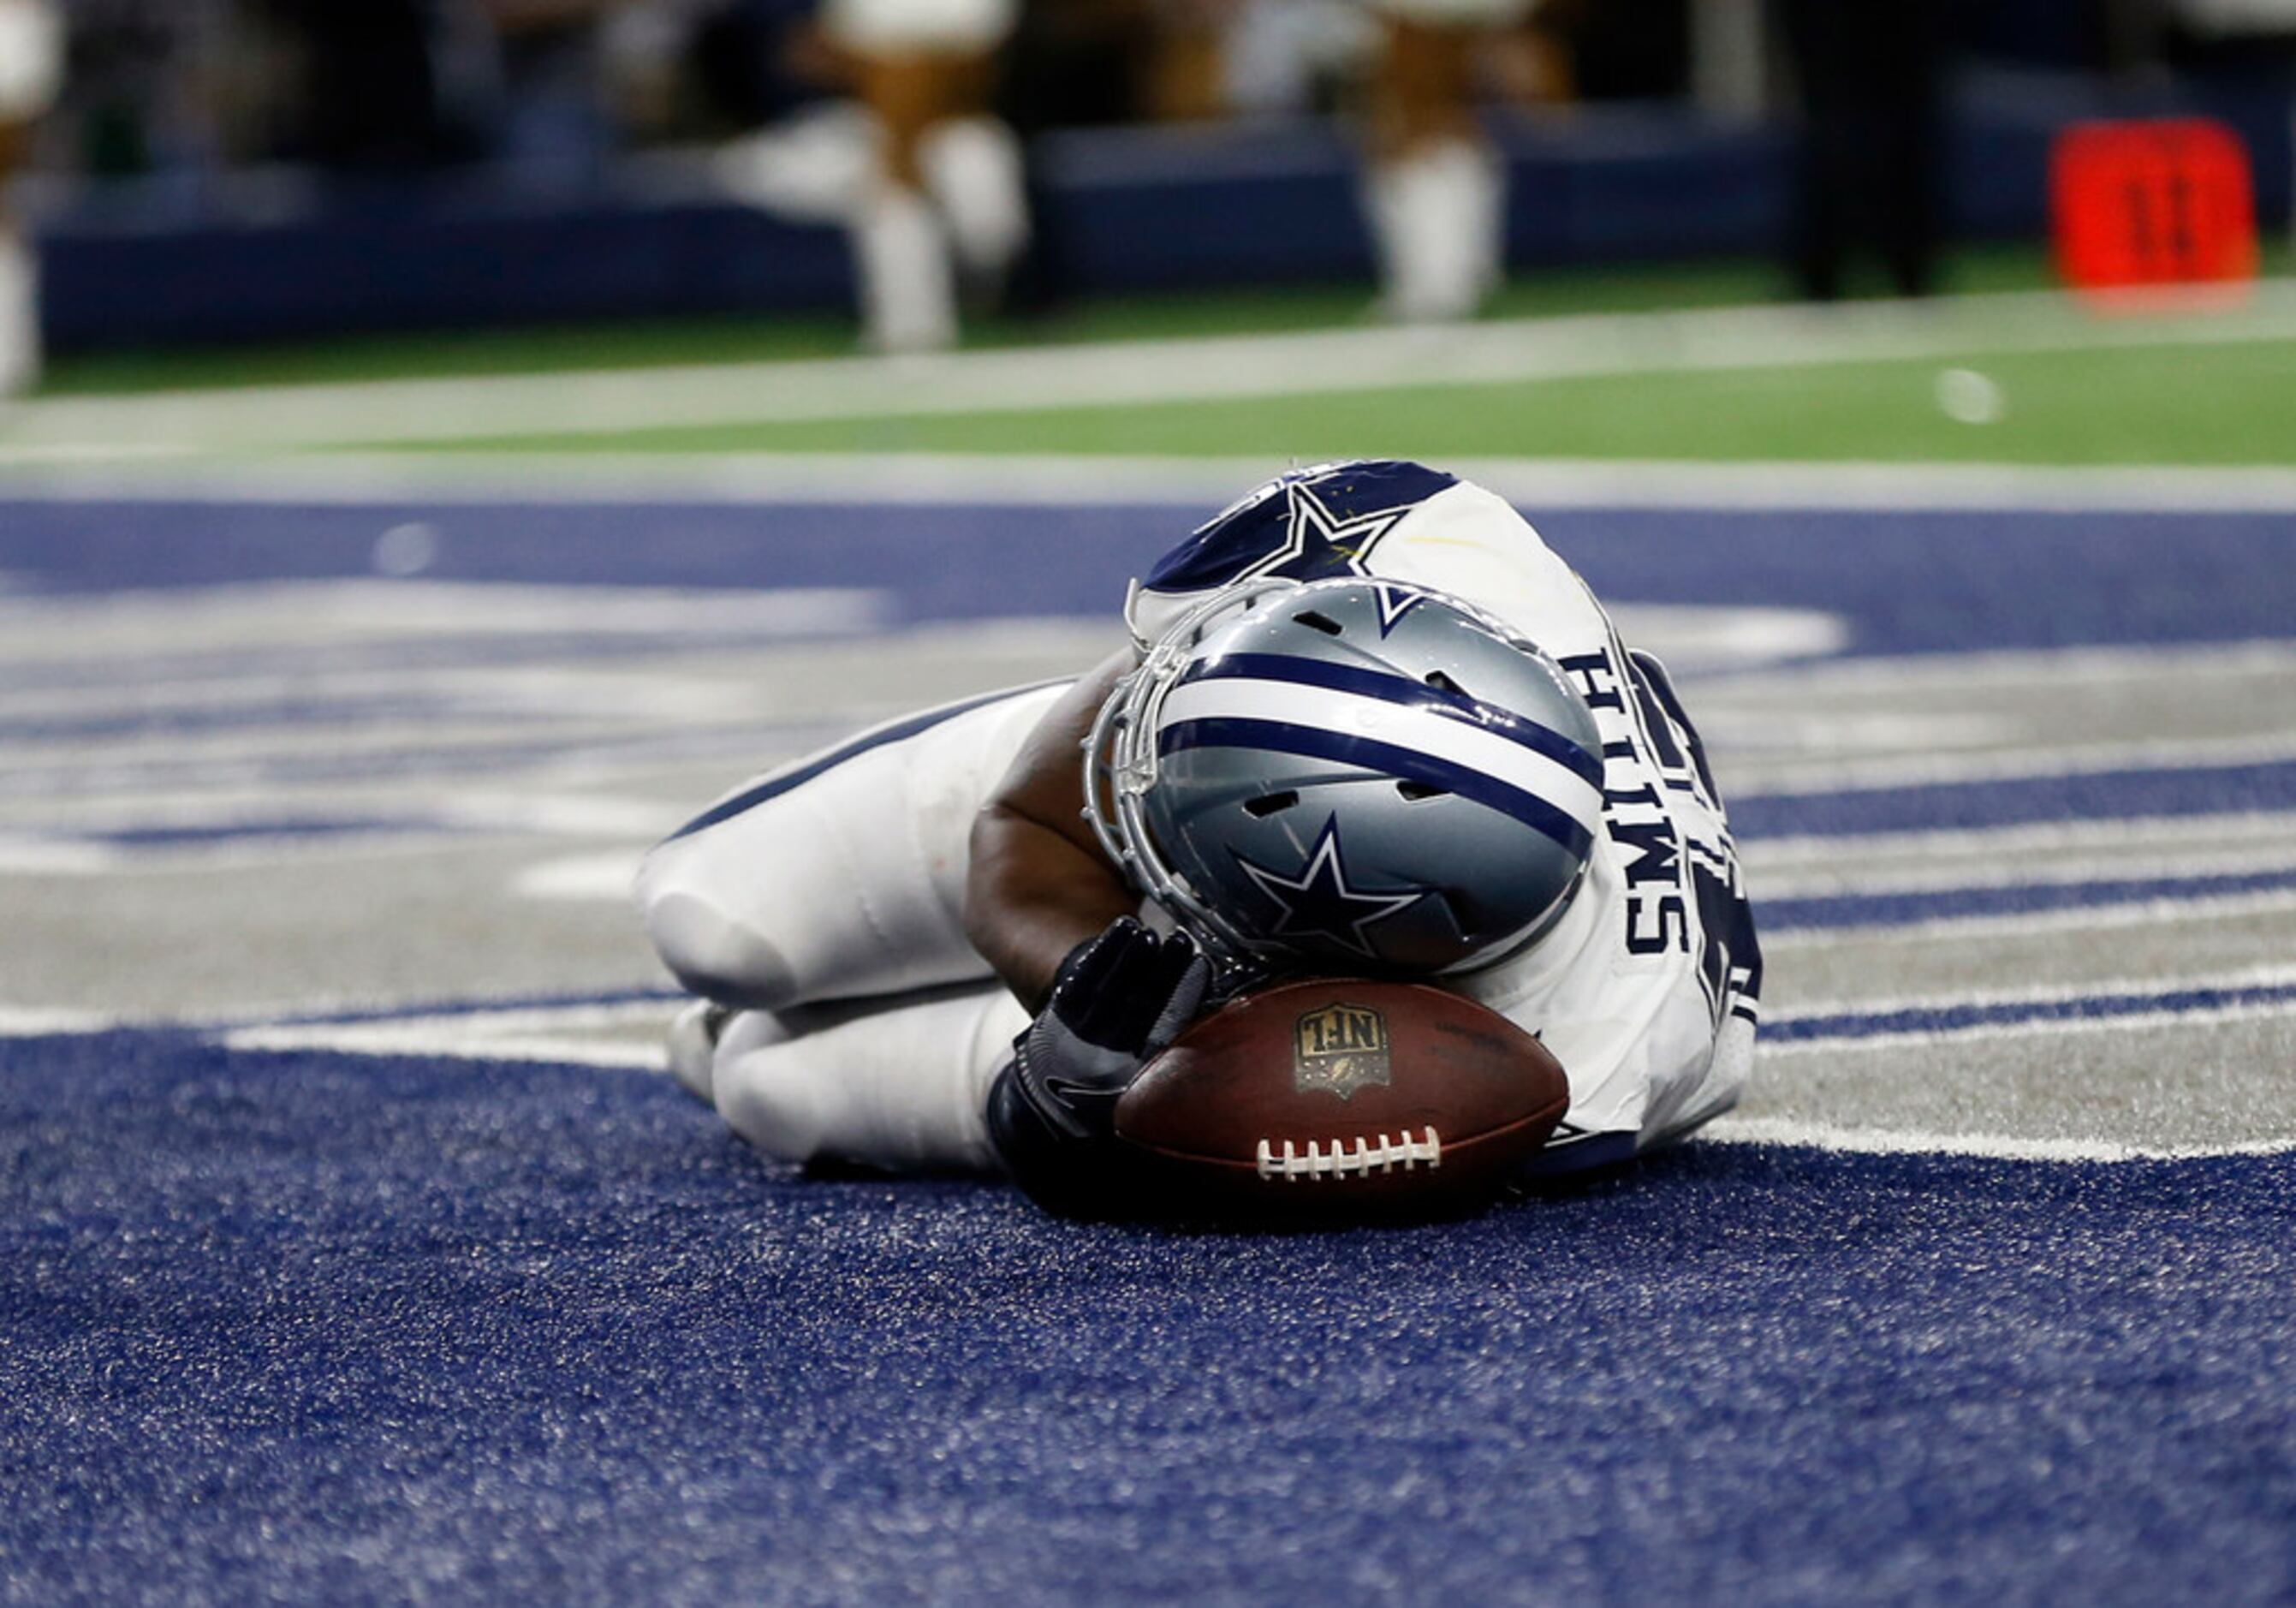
{"points": [[1352, 715]]}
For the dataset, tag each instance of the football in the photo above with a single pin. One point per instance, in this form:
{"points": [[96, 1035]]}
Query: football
{"points": [[1344, 1097]]}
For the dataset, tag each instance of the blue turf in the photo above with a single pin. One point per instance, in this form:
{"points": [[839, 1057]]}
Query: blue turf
{"points": [[1956, 1018], [313, 1328], [1907, 582], [293, 1327]]}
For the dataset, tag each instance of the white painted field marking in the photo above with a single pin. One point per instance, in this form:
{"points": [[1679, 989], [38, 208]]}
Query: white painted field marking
{"points": [[1905, 1142], [1054, 377], [25, 854], [580, 879], [1699, 638], [1197, 486], [294, 613], [35, 1021], [540, 1034]]}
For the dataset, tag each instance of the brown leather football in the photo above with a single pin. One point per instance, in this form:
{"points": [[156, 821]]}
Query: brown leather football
{"points": [[1345, 1097]]}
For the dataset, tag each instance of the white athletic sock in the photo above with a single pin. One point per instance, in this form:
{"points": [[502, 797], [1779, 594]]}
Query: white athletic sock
{"points": [[1437, 218], [973, 169], [908, 288], [904, 1087], [20, 313], [692, 1047]]}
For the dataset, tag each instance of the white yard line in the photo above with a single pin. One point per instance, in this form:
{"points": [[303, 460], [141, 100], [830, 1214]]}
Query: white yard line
{"points": [[1203, 484], [440, 1040], [40, 1023], [543, 1036], [1899, 1142], [1053, 378]]}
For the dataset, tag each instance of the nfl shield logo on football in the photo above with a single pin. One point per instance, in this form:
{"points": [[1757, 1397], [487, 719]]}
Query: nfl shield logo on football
{"points": [[1339, 1049]]}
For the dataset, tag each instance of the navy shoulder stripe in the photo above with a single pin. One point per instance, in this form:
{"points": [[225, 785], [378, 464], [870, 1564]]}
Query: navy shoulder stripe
{"points": [[780, 782]]}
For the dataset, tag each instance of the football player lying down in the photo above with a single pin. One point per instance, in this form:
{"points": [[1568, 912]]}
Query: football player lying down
{"points": [[1369, 725]]}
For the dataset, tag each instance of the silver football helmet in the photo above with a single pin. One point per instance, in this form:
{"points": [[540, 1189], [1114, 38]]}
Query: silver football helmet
{"points": [[1349, 776]]}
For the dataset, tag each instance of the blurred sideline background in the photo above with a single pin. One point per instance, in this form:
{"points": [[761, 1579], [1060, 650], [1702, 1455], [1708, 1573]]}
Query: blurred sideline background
{"points": [[240, 189], [474, 433]]}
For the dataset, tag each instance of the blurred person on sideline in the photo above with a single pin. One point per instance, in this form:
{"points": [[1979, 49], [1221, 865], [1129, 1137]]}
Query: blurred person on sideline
{"points": [[1868, 76], [1435, 187], [923, 173], [31, 73], [948, 194]]}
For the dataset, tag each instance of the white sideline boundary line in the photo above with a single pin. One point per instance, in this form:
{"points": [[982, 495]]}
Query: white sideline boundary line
{"points": [[37, 1022], [444, 1038], [1122, 372], [1200, 485], [1905, 1142], [434, 1043]]}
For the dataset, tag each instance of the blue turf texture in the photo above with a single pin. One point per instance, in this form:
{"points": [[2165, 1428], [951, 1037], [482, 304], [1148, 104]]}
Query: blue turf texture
{"points": [[310, 1327], [1905, 581], [376, 1329]]}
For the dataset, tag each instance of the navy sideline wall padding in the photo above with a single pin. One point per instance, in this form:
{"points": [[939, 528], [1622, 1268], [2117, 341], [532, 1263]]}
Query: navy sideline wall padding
{"points": [[250, 258]]}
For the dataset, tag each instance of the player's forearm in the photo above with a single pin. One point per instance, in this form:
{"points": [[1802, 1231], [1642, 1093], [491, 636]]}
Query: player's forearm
{"points": [[1032, 897]]}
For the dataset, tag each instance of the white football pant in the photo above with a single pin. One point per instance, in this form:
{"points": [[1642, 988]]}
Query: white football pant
{"points": [[1437, 219], [824, 900], [907, 281], [973, 170]]}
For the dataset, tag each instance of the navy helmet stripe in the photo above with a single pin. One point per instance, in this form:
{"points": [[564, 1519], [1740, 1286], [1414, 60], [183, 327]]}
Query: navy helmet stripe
{"points": [[1402, 690], [774, 786], [1390, 758]]}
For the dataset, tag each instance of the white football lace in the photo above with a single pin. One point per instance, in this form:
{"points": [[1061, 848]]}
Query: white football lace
{"points": [[1340, 1161]]}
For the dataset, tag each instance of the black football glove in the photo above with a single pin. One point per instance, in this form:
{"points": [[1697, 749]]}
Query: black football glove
{"points": [[1119, 998]]}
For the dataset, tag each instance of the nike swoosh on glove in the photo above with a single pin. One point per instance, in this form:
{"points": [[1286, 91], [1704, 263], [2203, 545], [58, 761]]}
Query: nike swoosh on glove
{"points": [[1120, 997]]}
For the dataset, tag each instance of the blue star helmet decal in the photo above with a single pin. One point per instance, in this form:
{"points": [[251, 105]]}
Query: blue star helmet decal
{"points": [[1306, 525], [1394, 603], [1318, 903]]}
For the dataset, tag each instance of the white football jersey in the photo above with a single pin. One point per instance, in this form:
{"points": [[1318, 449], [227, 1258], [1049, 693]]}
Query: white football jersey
{"points": [[1646, 991]]}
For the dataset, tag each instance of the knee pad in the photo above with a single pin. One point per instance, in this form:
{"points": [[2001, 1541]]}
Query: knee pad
{"points": [[714, 955]]}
